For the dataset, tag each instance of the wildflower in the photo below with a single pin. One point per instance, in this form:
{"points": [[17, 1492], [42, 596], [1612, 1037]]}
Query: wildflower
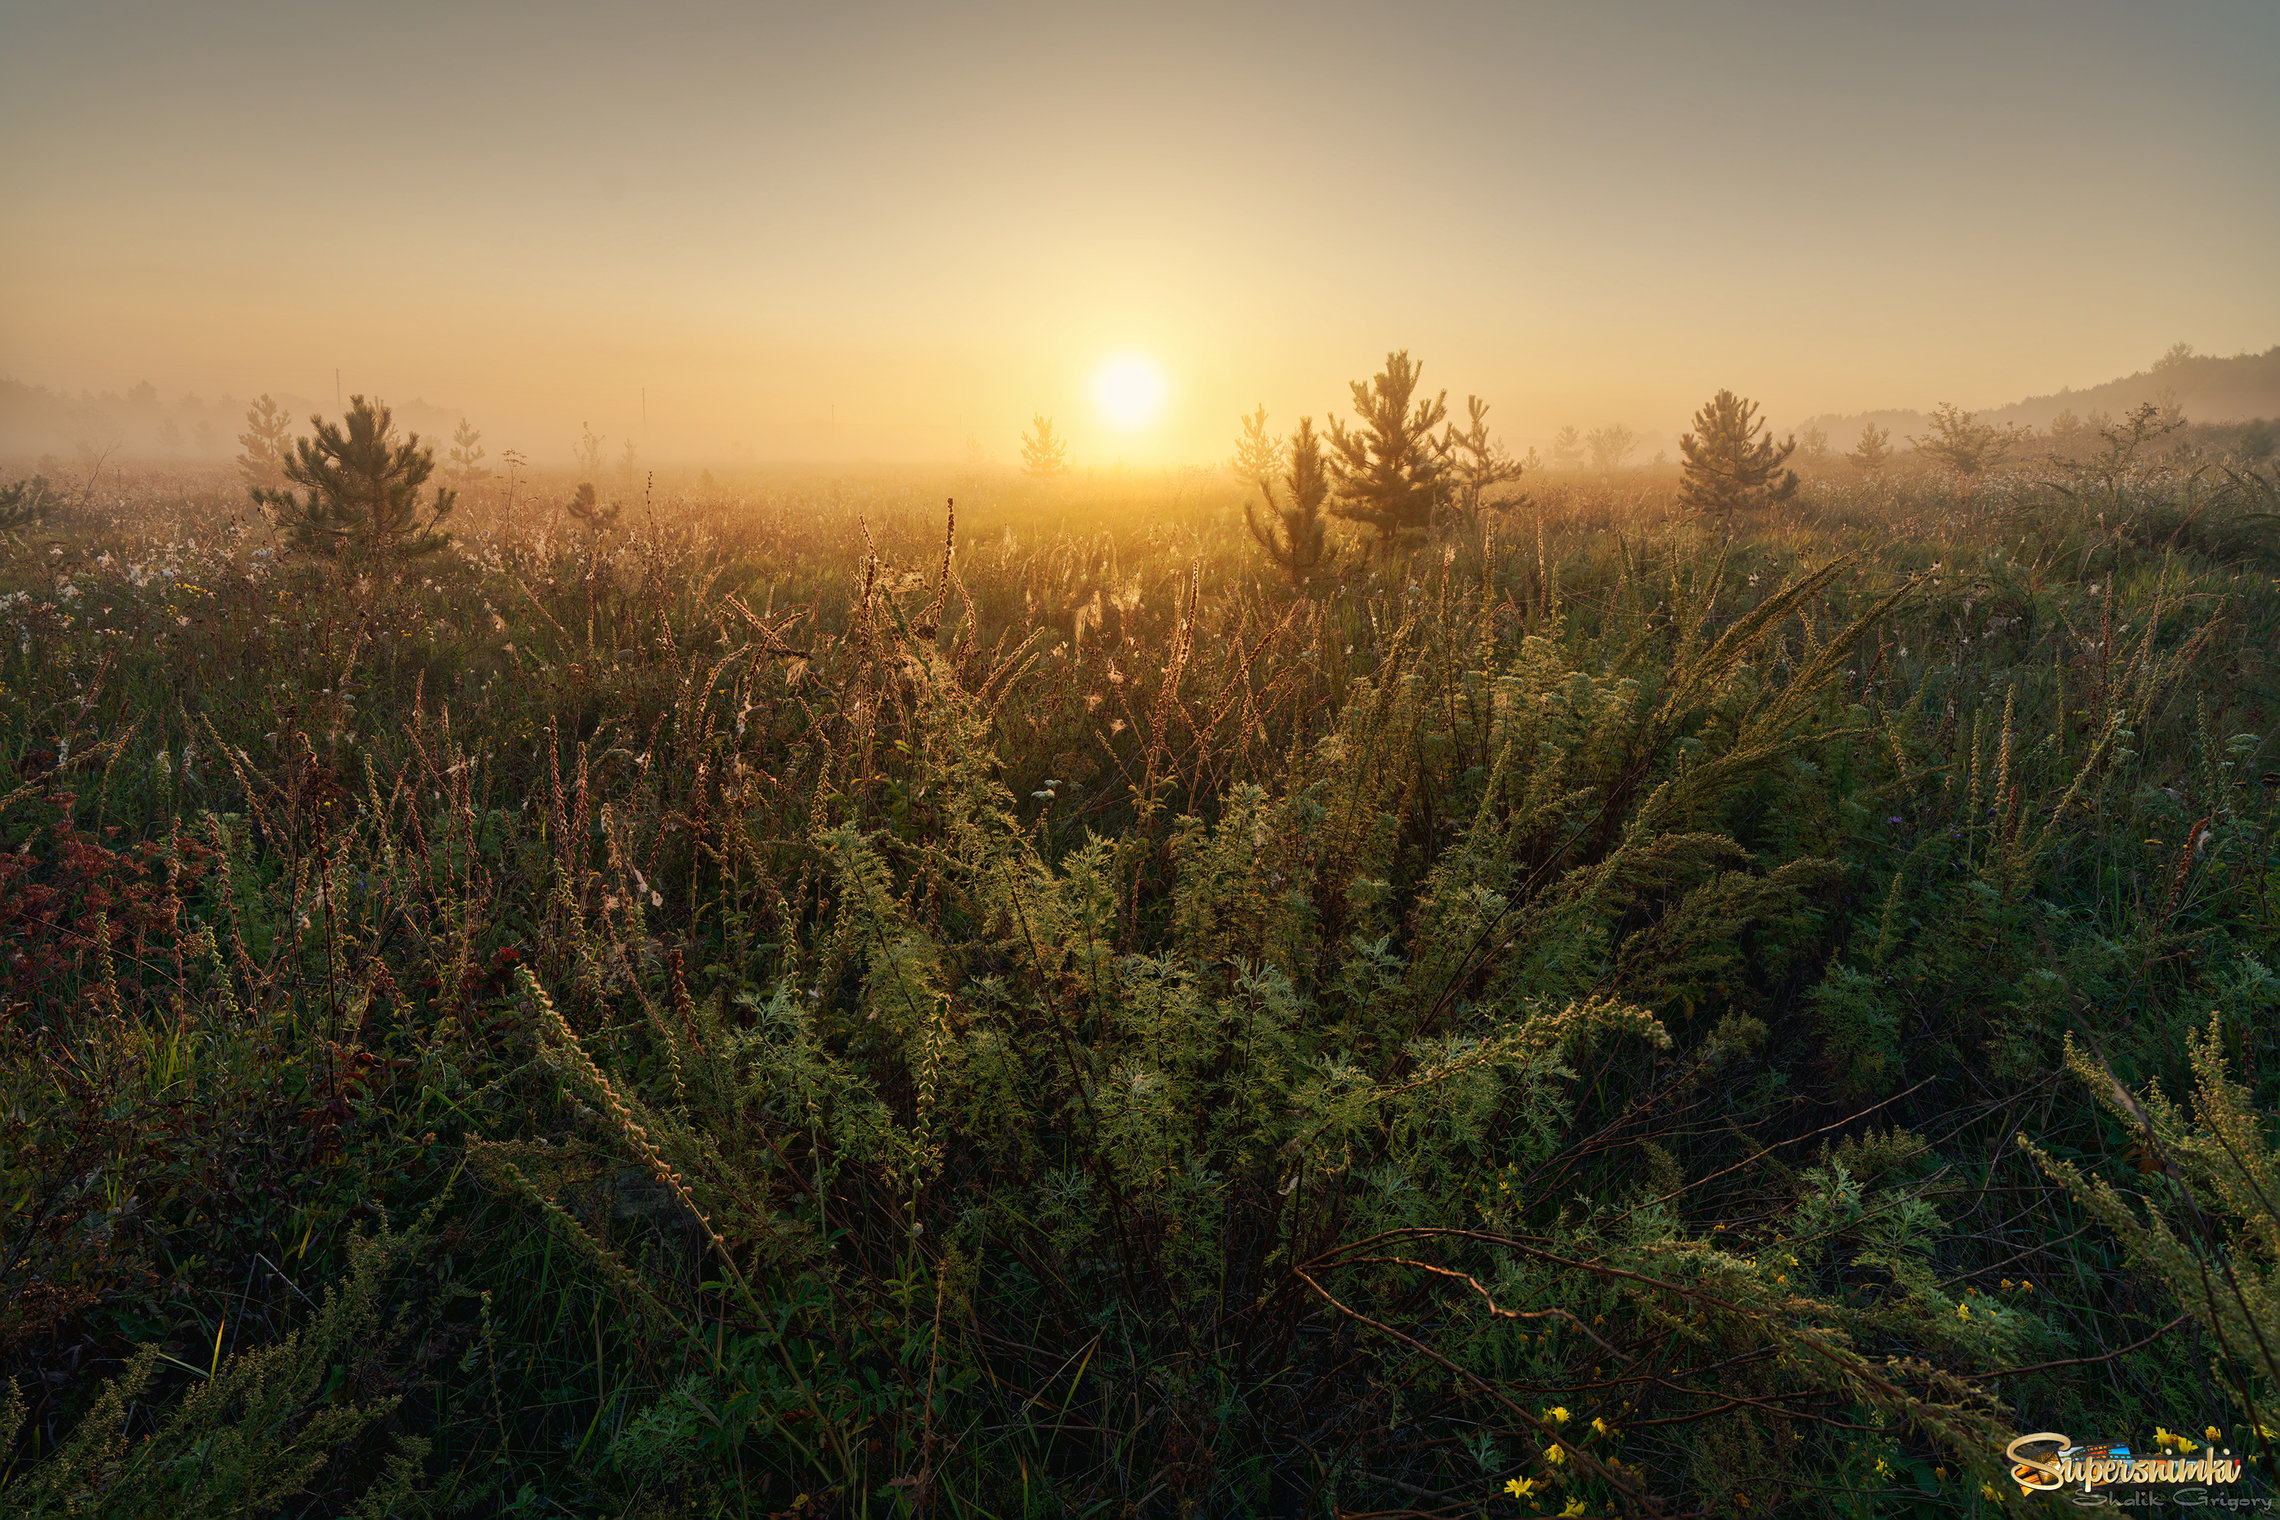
{"points": [[1883, 1468], [1963, 1311], [1557, 1414], [1990, 1493], [2213, 1433], [1519, 1488], [1602, 1426], [1555, 1454], [1572, 1508]]}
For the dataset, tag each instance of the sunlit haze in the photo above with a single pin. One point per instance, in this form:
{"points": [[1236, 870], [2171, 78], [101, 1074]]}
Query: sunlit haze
{"points": [[861, 231], [1130, 393]]}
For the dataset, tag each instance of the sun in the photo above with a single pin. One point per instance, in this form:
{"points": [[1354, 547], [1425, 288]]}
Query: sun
{"points": [[1129, 391]]}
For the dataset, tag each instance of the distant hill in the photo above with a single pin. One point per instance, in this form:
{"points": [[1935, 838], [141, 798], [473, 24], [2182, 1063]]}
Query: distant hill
{"points": [[2207, 388]]}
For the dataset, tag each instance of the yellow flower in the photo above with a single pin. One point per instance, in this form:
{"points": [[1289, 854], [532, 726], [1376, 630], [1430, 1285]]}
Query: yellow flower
{"points": [[1602, 1426], [1555, 1455], [2214, 1434], [1557, 1414], [1883, 1468], [1963, 1311], [1989, 1492], [1572, 1508], [1939, 1472], [1519, 1488]]}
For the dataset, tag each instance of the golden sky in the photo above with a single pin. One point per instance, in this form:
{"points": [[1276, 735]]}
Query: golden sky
{"points": [[854, 230]]}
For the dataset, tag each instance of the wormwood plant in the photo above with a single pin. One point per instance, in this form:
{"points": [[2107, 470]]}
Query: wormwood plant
{"points": [[1292, 1141], [1545, 1032], [2205, 1222], [252, 1434]]}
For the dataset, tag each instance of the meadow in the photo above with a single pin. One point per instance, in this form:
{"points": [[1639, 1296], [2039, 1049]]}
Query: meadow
{"points": [[807, 999]]}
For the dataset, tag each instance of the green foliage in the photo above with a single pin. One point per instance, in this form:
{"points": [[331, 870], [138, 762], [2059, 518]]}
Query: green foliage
{"points": [[26, 504], [1960, 443], [1293, 533], [1388, 473], [1478, 465], [1036, 1021], [253, 1433], [1732, 465], [360, 492], [1874, 450], [588, 511], [2209, 1232]]}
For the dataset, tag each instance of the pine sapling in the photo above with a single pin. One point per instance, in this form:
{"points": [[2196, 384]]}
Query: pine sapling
{"points": [[1292, 531], [360, 496], [1732, 463], [1390, 472]]}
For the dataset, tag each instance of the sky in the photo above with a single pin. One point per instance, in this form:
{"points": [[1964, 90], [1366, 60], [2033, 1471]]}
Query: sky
{"points": [[898, 231]]}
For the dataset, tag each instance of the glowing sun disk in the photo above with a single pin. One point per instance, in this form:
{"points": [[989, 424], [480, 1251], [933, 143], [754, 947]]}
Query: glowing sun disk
{"points": [[1129, 392]]}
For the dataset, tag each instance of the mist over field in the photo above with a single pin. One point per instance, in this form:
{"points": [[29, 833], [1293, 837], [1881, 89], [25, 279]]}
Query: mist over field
{"points": [[1007, 761]]}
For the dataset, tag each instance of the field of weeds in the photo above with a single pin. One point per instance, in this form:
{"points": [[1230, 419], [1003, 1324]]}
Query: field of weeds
{"points": [[805, 1001]]}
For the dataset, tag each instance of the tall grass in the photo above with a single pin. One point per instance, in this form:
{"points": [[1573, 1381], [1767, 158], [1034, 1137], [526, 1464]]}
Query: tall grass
{"points": [[810, 1004]]}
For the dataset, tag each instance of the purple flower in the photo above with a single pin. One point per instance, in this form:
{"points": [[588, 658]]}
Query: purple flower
{"points": [[1895, 818]]}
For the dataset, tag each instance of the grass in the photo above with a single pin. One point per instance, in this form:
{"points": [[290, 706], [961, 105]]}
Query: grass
{"points": [[803, 1005]]}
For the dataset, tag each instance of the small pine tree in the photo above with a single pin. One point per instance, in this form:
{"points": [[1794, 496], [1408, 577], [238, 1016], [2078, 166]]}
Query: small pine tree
{"points": [[1043, 454], [1969, 447], [1390, 472], [267, 439], [1732, 463], [465, 462], [1567, 447], [1478, 465], [1610, 446], [586, 507], [1292, 532], [360, 498], [1813, 445], [1874, 451]]}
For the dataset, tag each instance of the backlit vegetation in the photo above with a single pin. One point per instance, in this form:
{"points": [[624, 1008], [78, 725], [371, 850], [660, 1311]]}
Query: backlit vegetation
{"points": [[1645, 990]]}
